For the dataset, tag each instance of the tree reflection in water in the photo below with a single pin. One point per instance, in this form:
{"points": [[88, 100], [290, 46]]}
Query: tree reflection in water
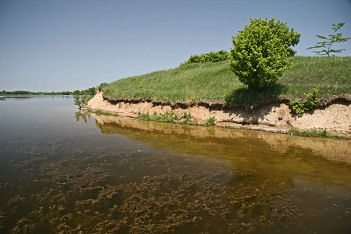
{"points": [[82, 115]]}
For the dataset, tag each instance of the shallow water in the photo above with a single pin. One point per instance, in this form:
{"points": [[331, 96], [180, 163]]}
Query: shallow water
{"points": [[66, 171]]}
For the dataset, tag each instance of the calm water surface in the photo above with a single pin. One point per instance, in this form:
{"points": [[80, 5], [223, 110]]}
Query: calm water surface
{"points": [[65, 171]]}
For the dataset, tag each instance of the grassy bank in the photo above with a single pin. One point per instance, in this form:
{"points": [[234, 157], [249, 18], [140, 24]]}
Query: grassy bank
{"points": [[216, 82]]}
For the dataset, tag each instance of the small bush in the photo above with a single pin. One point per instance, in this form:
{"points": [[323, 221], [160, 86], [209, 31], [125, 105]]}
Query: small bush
{"points": [[260, 52], [212, 57], [298, 108], [81, 100]]}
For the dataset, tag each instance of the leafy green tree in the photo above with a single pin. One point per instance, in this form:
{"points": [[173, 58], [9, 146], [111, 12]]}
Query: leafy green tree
{"points": [[329, 41], [261, 50]]}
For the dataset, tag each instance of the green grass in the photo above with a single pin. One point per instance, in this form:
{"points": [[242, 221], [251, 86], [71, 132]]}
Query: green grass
{"points": [[100, 112], [216, 82], [172, 118], [317, 133], [211, 121], [168, 118]]}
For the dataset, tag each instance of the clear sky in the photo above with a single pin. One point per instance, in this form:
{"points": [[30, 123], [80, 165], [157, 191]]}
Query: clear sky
{"points": [[48, 45]]}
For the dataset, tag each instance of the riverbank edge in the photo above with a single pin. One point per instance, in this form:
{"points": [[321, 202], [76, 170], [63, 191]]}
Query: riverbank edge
{"points": [[329, 119]]}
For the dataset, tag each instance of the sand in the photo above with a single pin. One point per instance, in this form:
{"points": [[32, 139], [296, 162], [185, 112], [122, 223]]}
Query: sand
{"points": [[271, 117]]}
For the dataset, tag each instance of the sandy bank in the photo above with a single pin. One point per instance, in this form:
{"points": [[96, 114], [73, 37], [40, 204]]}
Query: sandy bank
{"points": [[276, 117]]}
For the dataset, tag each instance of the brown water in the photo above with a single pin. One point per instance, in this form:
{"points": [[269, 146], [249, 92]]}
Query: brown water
{"points": [[70, 172]]}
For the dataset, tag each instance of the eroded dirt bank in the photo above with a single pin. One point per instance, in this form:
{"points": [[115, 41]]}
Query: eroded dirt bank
{"points": [[333, 116]]}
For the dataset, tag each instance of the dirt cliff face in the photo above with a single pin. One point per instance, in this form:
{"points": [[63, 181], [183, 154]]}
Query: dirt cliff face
{"points": [[271, 117]]}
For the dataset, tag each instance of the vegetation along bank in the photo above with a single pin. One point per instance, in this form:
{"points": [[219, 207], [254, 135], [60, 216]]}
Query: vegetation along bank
{"points": [[259, 84]]}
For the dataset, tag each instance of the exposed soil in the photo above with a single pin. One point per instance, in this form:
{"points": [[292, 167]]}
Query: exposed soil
{"points": [[331, 115]]}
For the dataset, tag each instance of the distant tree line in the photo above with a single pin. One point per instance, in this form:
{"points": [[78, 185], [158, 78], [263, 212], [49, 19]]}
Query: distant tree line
{"points": [[90, 91]]}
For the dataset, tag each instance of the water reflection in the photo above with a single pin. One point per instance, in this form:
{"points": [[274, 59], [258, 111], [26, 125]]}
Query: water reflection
{"points": [[272, 174], [233, 142], [82, 115], [109, 174]]}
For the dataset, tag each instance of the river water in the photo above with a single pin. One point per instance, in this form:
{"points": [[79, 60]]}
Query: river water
{"points": [[68, 171]]}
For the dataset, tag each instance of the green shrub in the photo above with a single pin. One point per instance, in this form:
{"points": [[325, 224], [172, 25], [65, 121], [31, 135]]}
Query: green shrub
{"points": [[81, 100], [212, 57], [260, 52], [298, 108]]}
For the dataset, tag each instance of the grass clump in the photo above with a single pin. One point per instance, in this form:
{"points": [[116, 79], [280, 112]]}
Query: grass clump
{"points": [[145, 117], [211, 121], [216, 82], [317, 133], [100, 112], [187, 118], [167, 117]]}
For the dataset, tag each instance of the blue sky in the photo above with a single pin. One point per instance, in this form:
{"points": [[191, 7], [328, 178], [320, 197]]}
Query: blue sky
{"points": [[67, 45]]}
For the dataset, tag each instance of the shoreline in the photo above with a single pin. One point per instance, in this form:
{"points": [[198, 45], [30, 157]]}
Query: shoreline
{"points": [[331, 116]]}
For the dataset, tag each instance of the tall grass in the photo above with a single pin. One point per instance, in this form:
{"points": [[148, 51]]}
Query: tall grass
{"points": [[216, 82]]}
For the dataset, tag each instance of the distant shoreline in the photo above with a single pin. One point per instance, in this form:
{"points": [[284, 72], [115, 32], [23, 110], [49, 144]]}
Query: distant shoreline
{"points": [[89, 91]]}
